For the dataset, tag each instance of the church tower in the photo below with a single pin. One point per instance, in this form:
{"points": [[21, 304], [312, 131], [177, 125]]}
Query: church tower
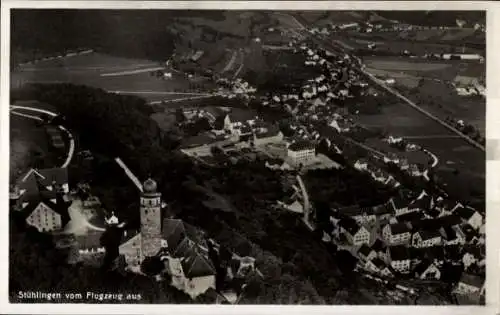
{"points": [[150, 219]]}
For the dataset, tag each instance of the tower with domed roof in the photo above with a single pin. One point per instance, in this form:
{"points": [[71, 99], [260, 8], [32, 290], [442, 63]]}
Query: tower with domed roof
{"points": [[150, 219]]}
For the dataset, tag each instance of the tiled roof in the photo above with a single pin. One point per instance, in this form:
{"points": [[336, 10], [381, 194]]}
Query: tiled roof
{"points": [[197, 141], [423, 266], [449, 204], [241, 115], [464, 213], [197, 265], [422, 203], [433, 213], [399, 253], [411, 216], [356, 210], [383, 209], [379, 263], [57, 175], [427, 235], [399, 202], [29, 183], [434, 252], [472, 280], [270, 132], [365, 250], [469, 232], [350, 225], [476, 251], [449, 220], [301, 145], [59, 206], [181, 236], [399, 228], [449, 234], [378, 245], [92, 239]]}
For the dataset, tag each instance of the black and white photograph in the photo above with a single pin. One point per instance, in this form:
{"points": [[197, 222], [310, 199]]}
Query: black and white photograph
{"points": [[243, 157]]}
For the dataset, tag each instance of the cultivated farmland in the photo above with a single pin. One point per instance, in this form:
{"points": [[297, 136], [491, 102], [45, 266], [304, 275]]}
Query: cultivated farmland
{"points": [[126, 76], [404, 65]]}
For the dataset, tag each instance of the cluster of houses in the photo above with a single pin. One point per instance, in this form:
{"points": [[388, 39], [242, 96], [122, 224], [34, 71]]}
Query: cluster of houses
{"points": [[468, 86], [376, 173], [236, 127], [414, 238], [235, 88], [40, 197], [230, 128]]}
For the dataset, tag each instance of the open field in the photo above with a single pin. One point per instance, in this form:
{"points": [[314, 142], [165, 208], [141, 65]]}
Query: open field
{"points": [[441, 99], [129, 76], [92, 61], [409, 81], [443, 70], [322, 18], [404, 65], [401, 120], [434, 18], [389, 44]]}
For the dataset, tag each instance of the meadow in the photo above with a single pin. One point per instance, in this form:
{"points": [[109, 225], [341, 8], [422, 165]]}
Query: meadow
{"points": [[115, 74]]}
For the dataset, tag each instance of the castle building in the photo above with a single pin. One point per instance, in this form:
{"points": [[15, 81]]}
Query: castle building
{"points": [[150, 219], [181, 247]]}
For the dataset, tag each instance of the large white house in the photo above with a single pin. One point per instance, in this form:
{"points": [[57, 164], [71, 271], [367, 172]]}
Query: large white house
{"points": [[426, 239], [356, 234], [396, 234], [301, 152], [399, 258]]}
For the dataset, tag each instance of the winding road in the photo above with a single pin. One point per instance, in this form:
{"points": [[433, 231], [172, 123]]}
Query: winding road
{"points": [[71, 150]]}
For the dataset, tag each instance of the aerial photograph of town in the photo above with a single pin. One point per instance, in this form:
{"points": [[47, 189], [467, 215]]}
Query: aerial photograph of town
{"points": [[247, 157]]}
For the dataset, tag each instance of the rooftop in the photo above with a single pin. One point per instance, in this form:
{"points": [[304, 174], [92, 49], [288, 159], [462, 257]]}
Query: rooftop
{"points": [[301, 145], [472, 280], [411, 216], [399, 228], [378, 245], [464, 213], [350, 225], [428, 235], [241, 115], [399, 202], [197, 140], [270, 132], [365, 250], [379, 263], [399, 253]]}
